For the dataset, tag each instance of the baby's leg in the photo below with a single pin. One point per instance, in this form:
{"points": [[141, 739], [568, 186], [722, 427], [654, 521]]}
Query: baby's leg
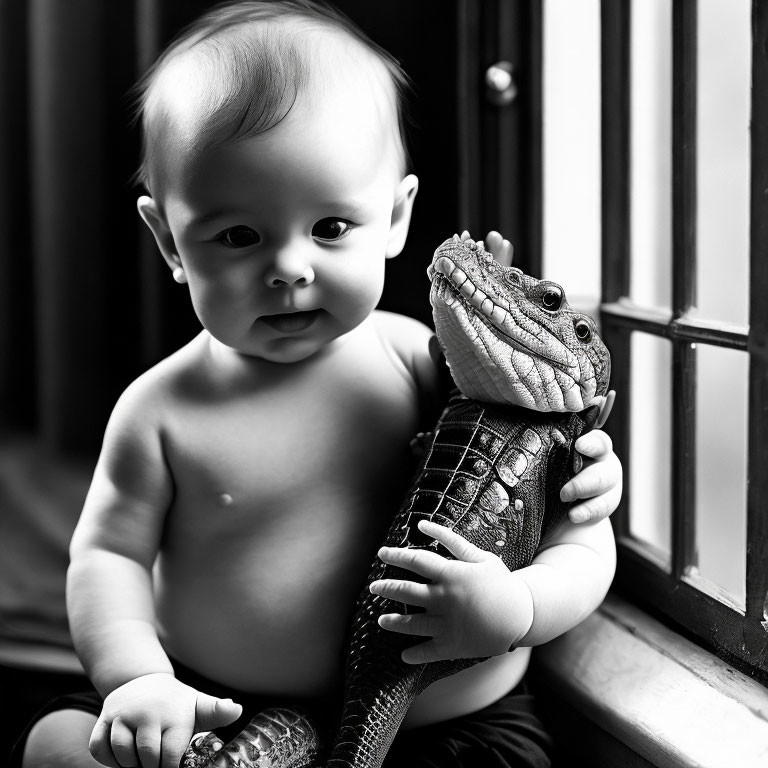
{"points": [[60, 740]]}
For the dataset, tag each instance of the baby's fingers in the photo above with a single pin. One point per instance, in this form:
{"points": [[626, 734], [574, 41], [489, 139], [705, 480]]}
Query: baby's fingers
{"points": [[123, 745], [595, 444], [596, 508], [499, 247], [456, 544], [175, 742], [99, 745], [148, 745], [420, 624], [593, 480], [401, 591], [420, 561], [423, 653]]}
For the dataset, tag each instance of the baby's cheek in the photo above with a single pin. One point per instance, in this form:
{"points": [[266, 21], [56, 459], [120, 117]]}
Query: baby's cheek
{"points": [[359, 294]]}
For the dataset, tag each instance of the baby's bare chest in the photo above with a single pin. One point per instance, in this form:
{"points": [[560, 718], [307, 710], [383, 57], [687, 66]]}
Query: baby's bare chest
{"points": [[281, 499], [290, 457]]}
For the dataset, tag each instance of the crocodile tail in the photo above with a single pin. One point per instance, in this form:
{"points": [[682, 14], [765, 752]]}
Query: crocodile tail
{"points": [[375, 705], [370, 721]]}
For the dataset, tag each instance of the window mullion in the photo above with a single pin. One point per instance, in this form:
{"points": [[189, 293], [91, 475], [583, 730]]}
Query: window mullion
{"points": [[683, 283], [615, 88], [615, 164], [757, 491], [683, 156]]}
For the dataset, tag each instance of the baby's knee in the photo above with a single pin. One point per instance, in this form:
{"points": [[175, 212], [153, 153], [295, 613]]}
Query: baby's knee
{"points": [[60, 740]]}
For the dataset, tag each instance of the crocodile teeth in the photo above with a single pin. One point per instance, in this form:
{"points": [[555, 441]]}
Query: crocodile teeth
{"points": [[498, 315], [458, 277], [477, 299]]}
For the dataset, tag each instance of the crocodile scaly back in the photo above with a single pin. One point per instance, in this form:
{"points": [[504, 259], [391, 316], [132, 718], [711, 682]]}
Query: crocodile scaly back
{"points": [[483, 477]]}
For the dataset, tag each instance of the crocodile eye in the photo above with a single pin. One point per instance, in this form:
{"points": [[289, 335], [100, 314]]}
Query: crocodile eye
{"points": [[583, 330], [552, 299]]}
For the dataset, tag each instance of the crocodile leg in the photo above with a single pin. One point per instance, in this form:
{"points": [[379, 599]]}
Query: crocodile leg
{"points": [[275, 738]]}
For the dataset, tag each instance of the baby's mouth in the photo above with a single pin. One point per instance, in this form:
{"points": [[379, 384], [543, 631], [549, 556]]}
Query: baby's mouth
{"points": [[291, 322]]}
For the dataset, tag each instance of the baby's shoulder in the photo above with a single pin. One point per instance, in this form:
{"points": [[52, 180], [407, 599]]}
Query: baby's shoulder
{"points": [[407, 340], [160, 386], [405, 334]]}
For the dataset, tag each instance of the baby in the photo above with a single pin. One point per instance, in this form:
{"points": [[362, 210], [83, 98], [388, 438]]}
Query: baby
{"points": [[246, 481]]}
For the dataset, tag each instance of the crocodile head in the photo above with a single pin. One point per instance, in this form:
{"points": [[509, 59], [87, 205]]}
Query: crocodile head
{"points": [[509, 338]]}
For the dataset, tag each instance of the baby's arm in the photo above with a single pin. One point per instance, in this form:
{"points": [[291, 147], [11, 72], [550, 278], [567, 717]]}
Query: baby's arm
{"points": [[475, 607], [147, 713], [109, 587], [568, 579]]}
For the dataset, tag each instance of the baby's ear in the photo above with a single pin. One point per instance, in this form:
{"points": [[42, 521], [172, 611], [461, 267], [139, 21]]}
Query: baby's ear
{"points": [[155, 220], [401, 214]]}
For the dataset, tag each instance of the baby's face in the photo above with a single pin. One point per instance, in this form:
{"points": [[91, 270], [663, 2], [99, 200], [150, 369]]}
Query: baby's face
{"points": [[283, 237]]}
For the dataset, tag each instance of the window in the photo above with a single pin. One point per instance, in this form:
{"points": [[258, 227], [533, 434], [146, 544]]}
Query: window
{"points": [[684, 287], [638, 183]]}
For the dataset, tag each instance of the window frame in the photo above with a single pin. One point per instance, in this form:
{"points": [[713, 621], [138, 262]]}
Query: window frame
{"points": [[673, 588]]}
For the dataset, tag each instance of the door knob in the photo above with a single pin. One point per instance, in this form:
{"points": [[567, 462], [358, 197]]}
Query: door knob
{"points": [[500, 86]]}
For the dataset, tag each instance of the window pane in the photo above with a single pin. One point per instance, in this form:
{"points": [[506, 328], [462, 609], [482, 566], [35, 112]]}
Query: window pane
{"points": [[572, 149], [723, 159], [721, 470], [650, 459], [651, 141]]}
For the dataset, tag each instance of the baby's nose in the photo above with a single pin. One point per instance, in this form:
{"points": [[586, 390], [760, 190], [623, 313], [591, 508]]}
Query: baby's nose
{"points": [[289, 269]]}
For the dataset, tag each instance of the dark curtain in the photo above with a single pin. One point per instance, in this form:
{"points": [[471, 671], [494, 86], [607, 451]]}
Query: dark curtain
{"points": [[85, 301]]}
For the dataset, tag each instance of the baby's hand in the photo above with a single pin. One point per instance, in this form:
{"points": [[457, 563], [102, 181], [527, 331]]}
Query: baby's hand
{"points": [[474, 606], [599, 481], [149, 721], [500, 248]]}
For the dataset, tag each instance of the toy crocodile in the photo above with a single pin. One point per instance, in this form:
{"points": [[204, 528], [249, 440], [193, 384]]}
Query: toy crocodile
{"points": [[532, 375]]}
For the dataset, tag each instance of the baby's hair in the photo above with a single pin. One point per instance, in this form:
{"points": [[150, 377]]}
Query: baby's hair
{"points": [[251, 50]]}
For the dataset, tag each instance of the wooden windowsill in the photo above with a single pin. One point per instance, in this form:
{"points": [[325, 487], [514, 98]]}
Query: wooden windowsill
{"points": [[666, 699]]}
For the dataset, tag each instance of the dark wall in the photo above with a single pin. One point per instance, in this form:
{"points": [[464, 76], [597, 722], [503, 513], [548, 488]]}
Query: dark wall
{"points": [[422, 36]]}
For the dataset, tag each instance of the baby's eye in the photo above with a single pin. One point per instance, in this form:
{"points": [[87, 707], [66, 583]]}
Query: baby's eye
{"points": [[331, 229], [239, 237]]}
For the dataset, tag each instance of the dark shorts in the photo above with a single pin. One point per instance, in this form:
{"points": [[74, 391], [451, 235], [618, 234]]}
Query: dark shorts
{"points": [[506, 734], [23, 691]]}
